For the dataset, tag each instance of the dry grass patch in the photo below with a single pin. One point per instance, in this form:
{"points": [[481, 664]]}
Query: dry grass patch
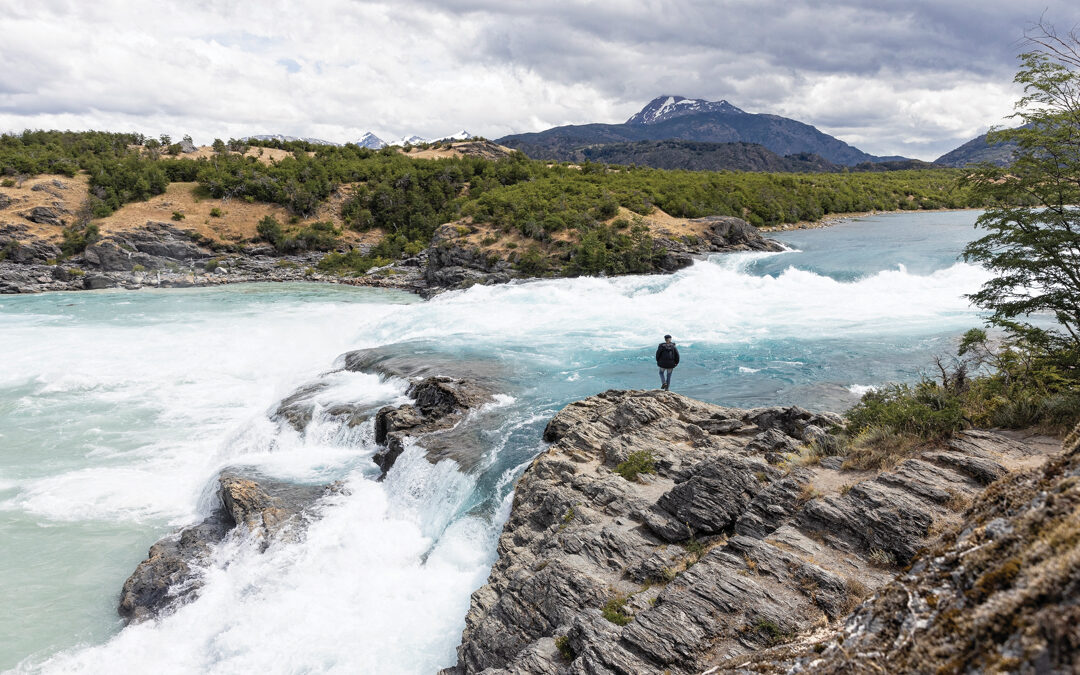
{"points": [[879, 449]]}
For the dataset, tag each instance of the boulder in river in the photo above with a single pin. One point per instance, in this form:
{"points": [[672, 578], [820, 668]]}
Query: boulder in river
{"points": [[260, 508]]}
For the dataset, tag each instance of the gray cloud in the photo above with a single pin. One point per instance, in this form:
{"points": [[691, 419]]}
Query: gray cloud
{"points": [[914, 78]]}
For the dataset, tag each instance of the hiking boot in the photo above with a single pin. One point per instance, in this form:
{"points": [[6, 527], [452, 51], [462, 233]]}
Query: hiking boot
{"points": [[664, 387]]}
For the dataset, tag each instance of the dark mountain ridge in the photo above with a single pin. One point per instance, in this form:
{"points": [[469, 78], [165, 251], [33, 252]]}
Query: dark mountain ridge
{"points": [[698, 156], [977, 151], [669, 117]]}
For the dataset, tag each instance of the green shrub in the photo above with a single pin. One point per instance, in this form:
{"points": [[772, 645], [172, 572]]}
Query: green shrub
{"points": [[176, 215], [215, 212], [925, 410], [211, 264], [138, 268], [639, 462], [269, 230], [352, 263], [7, 182], [532, 262], [770, 631], [615, 611], [75, 239], [562, 643]]}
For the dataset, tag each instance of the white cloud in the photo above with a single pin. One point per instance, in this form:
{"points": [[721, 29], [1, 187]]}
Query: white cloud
{"points": [[916, 80]]}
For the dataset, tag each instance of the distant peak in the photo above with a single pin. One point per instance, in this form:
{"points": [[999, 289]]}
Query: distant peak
{"points": [[370, 140], [664, 108]]}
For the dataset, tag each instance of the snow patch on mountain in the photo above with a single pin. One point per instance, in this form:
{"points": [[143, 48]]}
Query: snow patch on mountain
{"points": [[287, 139], [664, 108]]}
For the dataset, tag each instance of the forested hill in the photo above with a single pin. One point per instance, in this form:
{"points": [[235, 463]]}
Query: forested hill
{"points": [[317, 197], [702, 121], [977, 151], [698, 156]]}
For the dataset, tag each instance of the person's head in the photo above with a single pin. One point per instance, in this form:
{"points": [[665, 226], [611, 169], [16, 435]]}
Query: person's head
{"points": [[667, 338]]}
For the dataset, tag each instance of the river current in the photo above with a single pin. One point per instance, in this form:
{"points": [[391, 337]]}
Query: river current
{"points": [[118, 408]]}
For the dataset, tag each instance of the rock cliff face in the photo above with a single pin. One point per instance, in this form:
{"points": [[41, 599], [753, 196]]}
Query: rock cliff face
{"points": [[997, 593], [657, 534]]}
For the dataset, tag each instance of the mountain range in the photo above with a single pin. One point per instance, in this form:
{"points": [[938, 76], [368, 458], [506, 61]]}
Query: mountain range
{"points": [[368, 140], [675, 132], [676, 117]]}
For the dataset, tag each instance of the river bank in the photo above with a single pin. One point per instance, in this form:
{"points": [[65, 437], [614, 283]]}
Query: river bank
{"points": [[831, 219], [160, 255]]}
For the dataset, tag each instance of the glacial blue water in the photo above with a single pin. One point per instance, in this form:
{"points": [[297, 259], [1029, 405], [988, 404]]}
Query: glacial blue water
{"points": [[118, 408]]}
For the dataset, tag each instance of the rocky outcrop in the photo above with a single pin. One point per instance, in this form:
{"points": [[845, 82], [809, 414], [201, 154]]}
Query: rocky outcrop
{"points": [[440, 403], [453, 265], [153, 246], [997, 593], [722, 234], [655, 535], [258, 508], [44, 215], [17, 247]]}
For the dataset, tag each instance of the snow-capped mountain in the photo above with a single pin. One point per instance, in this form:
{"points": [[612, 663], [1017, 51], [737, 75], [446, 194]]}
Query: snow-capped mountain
{"points": [[370, 140], [410, 140], [663, 108], [286, 139], [417, 140]]}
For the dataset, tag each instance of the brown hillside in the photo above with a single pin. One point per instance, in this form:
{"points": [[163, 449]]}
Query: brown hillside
{"points": [[62, 195]]}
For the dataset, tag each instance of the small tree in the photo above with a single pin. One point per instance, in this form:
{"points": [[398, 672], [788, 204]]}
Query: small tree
{"points": [[1033, 224]]}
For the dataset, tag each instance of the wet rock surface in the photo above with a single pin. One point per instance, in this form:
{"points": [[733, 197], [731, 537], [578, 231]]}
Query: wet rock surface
{"points": [[247, 506], [714, 553], [440, 403]]}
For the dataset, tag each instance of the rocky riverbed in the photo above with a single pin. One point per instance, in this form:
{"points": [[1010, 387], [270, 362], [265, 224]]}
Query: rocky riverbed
{"points": [[162, 255]]}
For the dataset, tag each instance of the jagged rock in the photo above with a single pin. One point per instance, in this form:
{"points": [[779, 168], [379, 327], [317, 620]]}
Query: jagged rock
{"points": [[93, 282], [162, 240], [167, 576], [28, 251], [44, 215], [264, 509], [727, 233], [452, 265], [715, 554], [297, 408], [997, 594], [717, 492], [52, 187], [439, 403], [792, 420], [5, 201]]}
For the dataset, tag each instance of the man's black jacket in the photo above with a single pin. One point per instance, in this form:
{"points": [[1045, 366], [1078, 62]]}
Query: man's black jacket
{"points": [[667, 355]]}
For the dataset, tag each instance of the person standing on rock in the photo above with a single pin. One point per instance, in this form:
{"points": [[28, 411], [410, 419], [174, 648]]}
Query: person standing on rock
{"points": [[667, 357]]}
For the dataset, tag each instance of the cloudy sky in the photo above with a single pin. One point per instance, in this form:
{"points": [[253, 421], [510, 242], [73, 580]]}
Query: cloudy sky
{"points": [[911, 77]]}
